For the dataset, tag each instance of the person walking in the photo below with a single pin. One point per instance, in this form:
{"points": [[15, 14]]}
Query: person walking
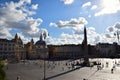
{"points": [[112, 70], [18, 78]]}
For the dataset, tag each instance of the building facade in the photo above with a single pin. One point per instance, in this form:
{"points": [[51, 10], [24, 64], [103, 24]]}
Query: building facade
{"points": [[39, 50], [15, 49], [106, 49], [12, 49], [30, 50], [66, 51]]}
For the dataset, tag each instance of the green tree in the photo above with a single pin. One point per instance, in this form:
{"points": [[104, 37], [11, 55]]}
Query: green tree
{"points": [[2, 73]]}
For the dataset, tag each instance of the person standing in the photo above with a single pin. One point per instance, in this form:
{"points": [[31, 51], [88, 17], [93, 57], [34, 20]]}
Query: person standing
{"points": [[107, 64]]}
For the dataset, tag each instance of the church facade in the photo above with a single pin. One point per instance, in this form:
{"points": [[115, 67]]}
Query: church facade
{"points": [[38, 50]]}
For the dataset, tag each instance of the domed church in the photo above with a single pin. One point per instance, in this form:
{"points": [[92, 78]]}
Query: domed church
{"points": [[41, 47]]}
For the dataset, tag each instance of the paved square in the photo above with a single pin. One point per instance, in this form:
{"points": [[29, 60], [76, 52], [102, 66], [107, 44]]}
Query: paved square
{"points": [[63, 70]]}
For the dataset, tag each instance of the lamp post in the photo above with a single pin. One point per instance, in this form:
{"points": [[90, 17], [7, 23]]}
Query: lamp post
{"points": [[117, 36], [44, 69]]}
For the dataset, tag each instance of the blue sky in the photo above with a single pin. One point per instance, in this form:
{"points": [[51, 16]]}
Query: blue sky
{"points": [[63, 20]]}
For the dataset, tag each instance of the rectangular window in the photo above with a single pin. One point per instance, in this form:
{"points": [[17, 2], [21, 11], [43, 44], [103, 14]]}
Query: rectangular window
{"points": [[9, 44], [9, 48], [13, 44], [12, 48], [5, 48], [1, 44], [0, 48]]}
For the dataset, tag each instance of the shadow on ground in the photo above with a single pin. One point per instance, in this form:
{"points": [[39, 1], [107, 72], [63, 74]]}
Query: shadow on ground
{"points": [[62, 73]]}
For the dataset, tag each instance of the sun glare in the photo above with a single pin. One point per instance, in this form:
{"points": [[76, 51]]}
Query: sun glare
{"points": [[110, 5]]}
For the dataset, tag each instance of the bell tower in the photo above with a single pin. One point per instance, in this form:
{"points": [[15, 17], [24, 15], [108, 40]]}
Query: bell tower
{"points": [[41, 37], [16, 36]]}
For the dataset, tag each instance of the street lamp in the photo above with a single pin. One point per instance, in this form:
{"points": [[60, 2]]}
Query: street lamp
{"points": [[117, 35], [44, 70], [44, 78]]}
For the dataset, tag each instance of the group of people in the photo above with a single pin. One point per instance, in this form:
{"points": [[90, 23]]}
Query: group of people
{"points": [[115, 63], [101, 65], [64, 65]]}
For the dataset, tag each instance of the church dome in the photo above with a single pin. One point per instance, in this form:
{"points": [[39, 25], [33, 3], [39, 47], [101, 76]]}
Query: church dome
{"points": [[41, 41]]}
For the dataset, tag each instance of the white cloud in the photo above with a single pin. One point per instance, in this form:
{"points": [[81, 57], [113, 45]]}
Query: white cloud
{"points": [[53, 24], [18, 16], [72, 23], [86, 4], [110, 29], [4, 33], [89, 16], [65, 39], [92, 35], [35, 6], [28, 12], [44, 32], [93, 7], [76, 37], [35, 37], [117, 25], [108, 36], [78, 30], [68, 2], [24, 39], [27, 1], [113, 28], [108, 7]]}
